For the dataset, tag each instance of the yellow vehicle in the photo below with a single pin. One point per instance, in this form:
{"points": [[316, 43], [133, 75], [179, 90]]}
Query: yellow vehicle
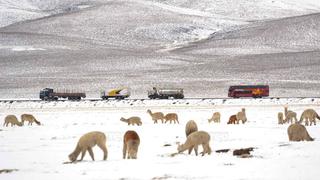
{"points": [[119, 93]]}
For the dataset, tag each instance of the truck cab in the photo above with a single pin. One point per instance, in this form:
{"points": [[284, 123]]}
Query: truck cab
{"points": [[45, 93]]}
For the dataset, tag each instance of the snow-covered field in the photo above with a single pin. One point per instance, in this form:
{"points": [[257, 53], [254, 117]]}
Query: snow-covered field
{"points": [[38, 152]]}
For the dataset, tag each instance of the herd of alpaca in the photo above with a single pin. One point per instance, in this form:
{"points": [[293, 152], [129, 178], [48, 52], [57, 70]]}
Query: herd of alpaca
{"points": [[13, 120], [308, 115], [164, 118], [194, 137]]}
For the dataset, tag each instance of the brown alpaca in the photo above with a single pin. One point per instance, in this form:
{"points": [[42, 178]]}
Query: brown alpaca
{"points": [[132, 120], [232, 119], [30, 118], [87, 142], [241, 116], [13, 120], [171, 117], [156, 116], [298, 132], [191, 127], [309, 115], [215, 117], [280, 118], [131, 143], [290, 115]]}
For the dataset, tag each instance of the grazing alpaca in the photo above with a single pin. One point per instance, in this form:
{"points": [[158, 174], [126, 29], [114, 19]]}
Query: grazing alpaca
{"points": [[280, 118], [87, 142], [13, 120], [171, 117], [30, 118], [191, 127], [241, 116], [194, 140], [156, 116], [298, 132], [215, 117], [309, 115], [290, 115], [232, 119], [132, 120], [131, 143]]}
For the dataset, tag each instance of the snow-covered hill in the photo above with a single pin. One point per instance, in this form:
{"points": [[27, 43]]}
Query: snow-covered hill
{"points": [[14, 11], [201, 46]]}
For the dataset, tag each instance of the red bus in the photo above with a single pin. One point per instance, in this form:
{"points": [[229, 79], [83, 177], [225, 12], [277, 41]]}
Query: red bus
{"points": [[255, 91]]}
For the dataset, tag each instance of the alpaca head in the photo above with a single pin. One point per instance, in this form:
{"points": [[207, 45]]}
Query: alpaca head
{"points": [[180, 147], [72, 157]]}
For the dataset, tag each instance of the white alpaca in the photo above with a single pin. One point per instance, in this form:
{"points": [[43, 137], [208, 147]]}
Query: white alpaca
{"points": [[309, 115], [191, 127], [290, 115], [241, 116], [194, 140], [215, 117]]}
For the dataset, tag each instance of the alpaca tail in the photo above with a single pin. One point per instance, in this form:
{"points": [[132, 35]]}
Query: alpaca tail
{"points": [[37, 122], [317, 116]]}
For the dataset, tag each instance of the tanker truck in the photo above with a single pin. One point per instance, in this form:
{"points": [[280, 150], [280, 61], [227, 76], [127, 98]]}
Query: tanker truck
{"points": [[165, 93]]}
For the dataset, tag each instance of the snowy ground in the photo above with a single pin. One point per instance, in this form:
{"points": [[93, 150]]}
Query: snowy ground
{"points": [[38, 152]]}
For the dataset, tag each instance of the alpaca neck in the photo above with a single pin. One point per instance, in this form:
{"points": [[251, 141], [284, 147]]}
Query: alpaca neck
{"points": [[76, 152]]}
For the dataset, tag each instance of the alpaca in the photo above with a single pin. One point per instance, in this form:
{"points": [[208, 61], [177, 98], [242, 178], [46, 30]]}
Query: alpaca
{"points": [[298, 132], [309, 115], [290, 115], [13, 120], [87, 142], [241, 116], [232, 119], [215, 117], [131, 143], [280, 118], [194, 140], [132, 120], [171, 117], [30, 118], [156, 116], [191, 127]]}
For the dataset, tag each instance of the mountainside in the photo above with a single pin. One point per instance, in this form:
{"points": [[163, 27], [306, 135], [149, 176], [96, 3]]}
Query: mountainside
{"points": [[201, 46]]}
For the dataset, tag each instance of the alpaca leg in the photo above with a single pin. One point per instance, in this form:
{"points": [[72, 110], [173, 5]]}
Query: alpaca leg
{"points": [[124, 150], [83, 153], [208, 149], [204, 149], [91, 153], [196, 149], [190, 150]]}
